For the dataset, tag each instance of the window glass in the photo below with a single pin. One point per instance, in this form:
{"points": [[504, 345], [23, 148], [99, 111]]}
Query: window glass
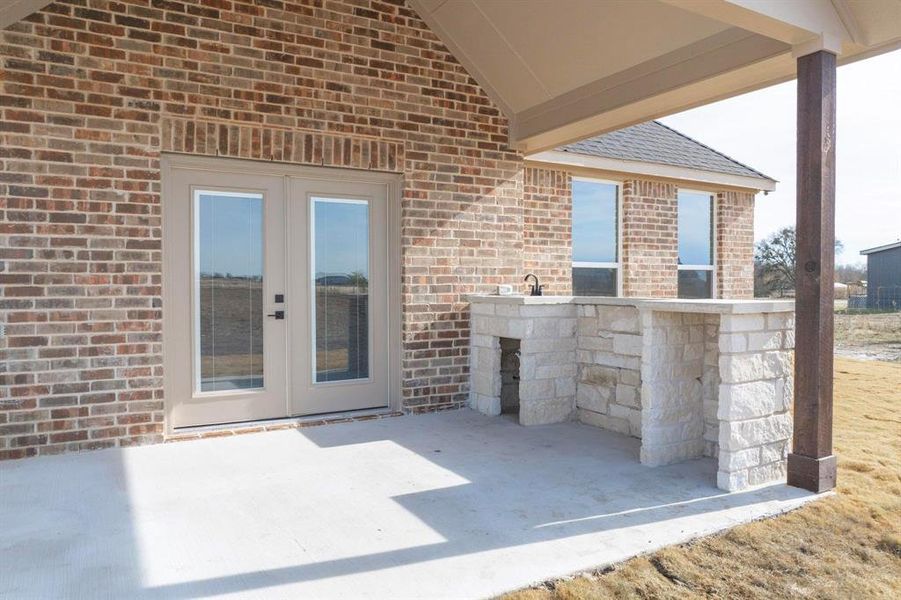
{"points": [[595, 227], [589, 281], [341, 290], [594, 219], [695, 284], [695, 228], [229, 290]]}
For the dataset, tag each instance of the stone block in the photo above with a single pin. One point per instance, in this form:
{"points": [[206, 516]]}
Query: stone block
{"points": [[739, 435], [604, 422], [565, 386], [741, 368], [779, 363], [567, 327], [481, 308], [627, 344], [587, 310], [484, 341], [627, 395], [592, 398], [653, 455], [764, 340], [774, 452], [739, 460], [548, 310], [619, 318], [541, 345], [507, 310], [545, 411], [780, 320], [739, 401], [603, 341], [536, 389], [630, 377], [488, 405], [732, 481], [567, 369], [733, 342], [732, 323], [769, 473], [788, 339]]}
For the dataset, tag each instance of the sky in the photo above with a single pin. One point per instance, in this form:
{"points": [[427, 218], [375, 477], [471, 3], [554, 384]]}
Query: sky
{"points": [[758, 129]]}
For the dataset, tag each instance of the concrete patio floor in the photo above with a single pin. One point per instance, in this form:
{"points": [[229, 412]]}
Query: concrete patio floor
{"points": [[452, 504]]}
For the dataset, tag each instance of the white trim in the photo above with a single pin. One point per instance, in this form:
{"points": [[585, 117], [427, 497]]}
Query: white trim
{"points": [[891, 246], [649, 169], [618, 265]]}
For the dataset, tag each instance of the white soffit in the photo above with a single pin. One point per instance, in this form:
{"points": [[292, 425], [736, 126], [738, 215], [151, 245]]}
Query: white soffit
{"points": [[563, 70], [617, 165]]}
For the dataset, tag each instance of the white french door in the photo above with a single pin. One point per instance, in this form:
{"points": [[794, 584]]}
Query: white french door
{"points": [[276, 296], [338, 276]]}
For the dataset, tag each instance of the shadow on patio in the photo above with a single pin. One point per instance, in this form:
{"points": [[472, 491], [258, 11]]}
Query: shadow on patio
{"points": [[450, 504]]}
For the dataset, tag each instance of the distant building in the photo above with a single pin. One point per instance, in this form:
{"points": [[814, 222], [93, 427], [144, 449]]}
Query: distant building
{"points": [[884, 276]]}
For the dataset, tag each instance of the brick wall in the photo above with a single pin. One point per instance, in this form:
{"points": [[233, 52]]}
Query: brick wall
{"points": [[92, 91], [735, 244], [650, 244], [547, 236]]}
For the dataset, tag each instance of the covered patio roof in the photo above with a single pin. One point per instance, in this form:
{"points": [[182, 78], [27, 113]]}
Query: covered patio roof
{"points": [[564, 71]]}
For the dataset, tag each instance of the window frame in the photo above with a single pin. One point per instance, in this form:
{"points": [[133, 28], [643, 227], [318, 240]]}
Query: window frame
{"points": [[714, 256], [618, 265]]}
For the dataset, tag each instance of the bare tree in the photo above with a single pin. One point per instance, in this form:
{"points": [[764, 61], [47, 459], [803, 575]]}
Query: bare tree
{"points": [[774, 262]]}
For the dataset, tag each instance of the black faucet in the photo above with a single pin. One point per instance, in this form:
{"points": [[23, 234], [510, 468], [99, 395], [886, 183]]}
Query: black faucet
{"points": [[535, 289]]}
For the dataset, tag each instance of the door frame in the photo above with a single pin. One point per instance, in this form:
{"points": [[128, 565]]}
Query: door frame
{"points": [[393, 182]]}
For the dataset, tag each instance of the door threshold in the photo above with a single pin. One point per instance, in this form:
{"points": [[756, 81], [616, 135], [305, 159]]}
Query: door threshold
{"points": [[228, 429]]}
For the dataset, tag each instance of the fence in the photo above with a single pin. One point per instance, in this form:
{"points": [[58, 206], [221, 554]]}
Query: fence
{"points": [[884, 298]]}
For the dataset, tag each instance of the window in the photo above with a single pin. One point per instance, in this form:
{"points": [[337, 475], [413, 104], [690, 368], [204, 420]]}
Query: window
{"points": [[696, 235], [595, 237]]}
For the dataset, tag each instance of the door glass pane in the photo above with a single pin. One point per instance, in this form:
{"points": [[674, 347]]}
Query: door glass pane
{"points": [[341, 289], [594, 222], [229, 290]]}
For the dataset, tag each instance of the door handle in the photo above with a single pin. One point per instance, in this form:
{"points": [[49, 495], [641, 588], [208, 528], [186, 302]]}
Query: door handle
{"points": [[277, 315]]}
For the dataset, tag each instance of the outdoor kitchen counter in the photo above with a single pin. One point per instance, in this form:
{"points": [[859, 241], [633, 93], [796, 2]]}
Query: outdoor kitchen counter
{"points": [[690, 378], [661, 304]]}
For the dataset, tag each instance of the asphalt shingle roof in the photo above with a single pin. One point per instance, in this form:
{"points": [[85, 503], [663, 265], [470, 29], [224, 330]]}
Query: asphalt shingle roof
{"points": [[654, 142]]}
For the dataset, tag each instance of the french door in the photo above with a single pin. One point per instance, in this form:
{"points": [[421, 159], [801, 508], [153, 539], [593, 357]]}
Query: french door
{"points": [[276, 295]]}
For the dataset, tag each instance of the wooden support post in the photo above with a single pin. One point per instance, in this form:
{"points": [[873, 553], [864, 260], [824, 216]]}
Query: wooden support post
{"points": [[811, 464]]}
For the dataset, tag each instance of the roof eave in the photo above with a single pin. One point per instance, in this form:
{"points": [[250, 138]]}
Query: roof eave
{"points": [[648, 169], [875, 249]]}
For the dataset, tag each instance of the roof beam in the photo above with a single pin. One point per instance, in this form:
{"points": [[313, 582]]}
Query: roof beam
{"points": [[628, 97], [13, 11], [802, 24]]}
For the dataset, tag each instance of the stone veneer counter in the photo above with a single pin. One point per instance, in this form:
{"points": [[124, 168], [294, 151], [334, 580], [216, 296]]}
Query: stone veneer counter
{"points": [[690, 378]]}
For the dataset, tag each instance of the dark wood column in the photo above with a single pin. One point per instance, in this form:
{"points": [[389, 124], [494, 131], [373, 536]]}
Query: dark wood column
{"points": [[811, 465]]}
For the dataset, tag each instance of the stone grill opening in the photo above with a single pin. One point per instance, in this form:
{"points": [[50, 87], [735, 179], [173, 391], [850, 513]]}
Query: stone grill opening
{"points": [[509, 376]]}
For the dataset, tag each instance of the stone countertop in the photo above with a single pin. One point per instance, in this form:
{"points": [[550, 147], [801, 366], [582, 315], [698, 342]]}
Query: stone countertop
{"points": [[658, 304]]}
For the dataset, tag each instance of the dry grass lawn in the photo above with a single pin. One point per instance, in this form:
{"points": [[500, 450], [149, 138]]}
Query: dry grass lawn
{"points": [[844, 546]]}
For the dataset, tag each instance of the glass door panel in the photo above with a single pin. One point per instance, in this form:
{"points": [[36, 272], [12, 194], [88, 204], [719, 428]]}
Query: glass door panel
{"points": [[340, 269], [229, 290]]}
